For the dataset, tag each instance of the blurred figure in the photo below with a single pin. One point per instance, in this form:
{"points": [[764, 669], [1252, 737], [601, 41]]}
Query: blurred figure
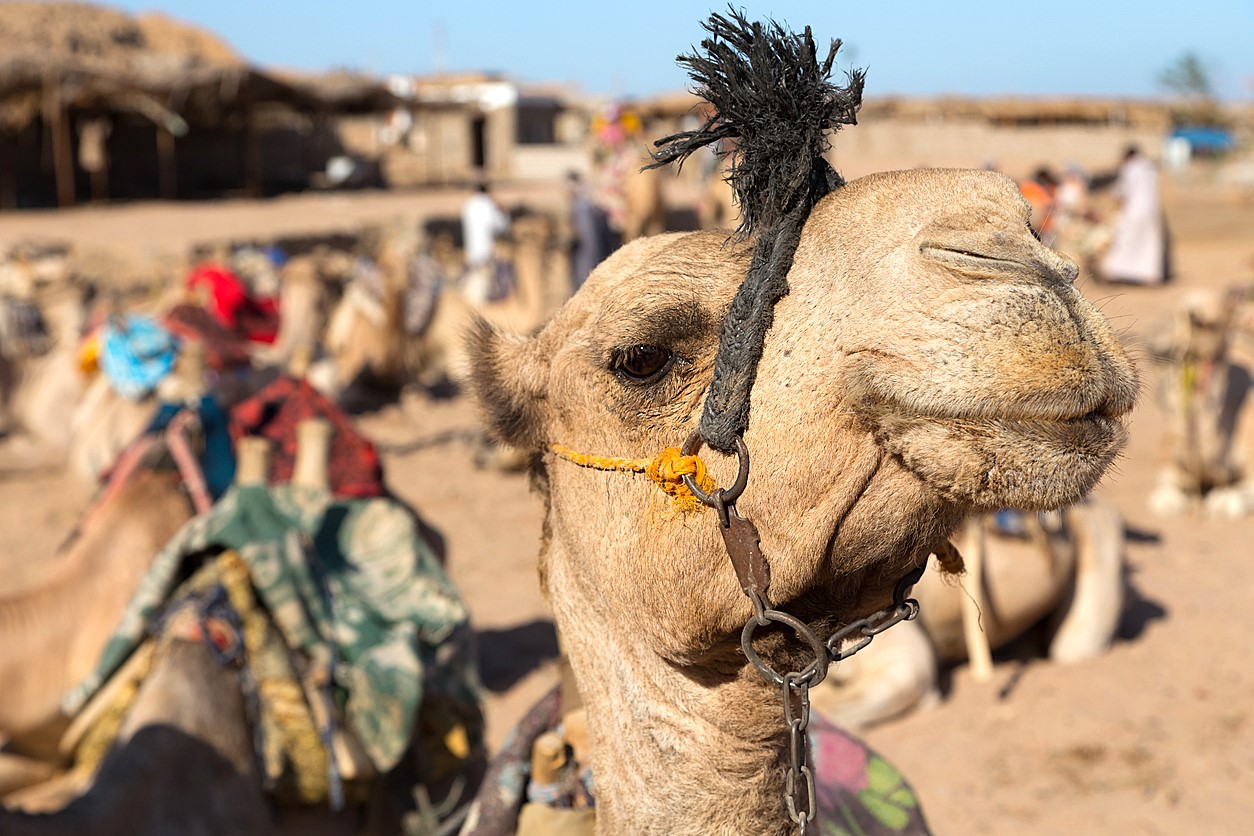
{"points": [[483, 222], [1204, 391], [1041, 190], [1073, 195], [1137, 253], [1079, 233], [593, 240]]}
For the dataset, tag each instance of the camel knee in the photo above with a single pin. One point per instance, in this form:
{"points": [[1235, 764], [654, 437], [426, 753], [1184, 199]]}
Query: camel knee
{"points": [[1089, 620]]}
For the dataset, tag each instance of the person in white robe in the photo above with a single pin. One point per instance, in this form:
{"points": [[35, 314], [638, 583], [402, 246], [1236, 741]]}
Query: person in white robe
{"points": [[1137, 251], [483, 221]]}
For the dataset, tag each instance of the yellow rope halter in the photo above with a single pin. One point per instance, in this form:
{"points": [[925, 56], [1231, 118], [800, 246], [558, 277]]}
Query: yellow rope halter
{"points": [[668, 469]]}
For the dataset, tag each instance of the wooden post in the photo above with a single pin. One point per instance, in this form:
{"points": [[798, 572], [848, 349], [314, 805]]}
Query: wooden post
{"points": [[313, 450], [57, 121], [8, 181], [252, 158], [252, 455], [979, 654], [167, 172]]}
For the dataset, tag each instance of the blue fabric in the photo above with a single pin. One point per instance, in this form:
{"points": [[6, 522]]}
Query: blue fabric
{"points": [[217, 461], [136, 354], [276, 256]]}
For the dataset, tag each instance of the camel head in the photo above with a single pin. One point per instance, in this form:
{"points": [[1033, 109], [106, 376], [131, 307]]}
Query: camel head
{"points": [[931, 358]]}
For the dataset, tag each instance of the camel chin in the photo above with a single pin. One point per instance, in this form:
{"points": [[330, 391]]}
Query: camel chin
{"points": [[1037, 464]]}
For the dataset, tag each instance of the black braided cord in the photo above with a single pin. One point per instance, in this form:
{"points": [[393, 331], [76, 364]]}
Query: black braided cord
{"points": [[772, 96]]}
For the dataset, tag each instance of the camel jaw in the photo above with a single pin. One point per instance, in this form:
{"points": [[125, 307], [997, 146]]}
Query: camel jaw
{"points": [[1032, 462]]}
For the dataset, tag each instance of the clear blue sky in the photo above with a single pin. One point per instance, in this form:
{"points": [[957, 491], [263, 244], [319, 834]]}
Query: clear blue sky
{"points": [[627, 47]]}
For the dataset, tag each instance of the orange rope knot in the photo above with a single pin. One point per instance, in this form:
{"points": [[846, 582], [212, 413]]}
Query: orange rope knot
{"points": [[668, 469]]}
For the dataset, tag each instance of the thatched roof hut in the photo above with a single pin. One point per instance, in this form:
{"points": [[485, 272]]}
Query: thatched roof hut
{"points": [[85, 90]]}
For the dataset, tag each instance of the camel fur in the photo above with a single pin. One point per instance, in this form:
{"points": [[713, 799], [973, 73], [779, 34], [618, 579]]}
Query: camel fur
{"points": [[44, 655], [931, 358]]}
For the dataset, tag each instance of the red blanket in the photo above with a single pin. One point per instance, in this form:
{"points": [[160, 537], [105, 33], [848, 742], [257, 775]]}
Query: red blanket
{"points": [[275, 411]]}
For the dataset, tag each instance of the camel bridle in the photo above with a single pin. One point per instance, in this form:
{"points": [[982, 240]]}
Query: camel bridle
{"points": [[772, 95], [753, 571]]}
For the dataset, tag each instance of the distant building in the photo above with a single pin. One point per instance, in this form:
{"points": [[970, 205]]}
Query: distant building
{"points": [[96, 105]]}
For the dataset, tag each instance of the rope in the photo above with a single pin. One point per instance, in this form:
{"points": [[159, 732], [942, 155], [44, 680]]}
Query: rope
{"points": [[290, 739], [185, 459], [668, 469]]}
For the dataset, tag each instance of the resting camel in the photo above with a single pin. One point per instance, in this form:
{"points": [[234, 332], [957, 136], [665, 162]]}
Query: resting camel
{"points": [[1204, 391], [38, 391], [374, 338], [1063, 571], [644, 209], [104, 422], [930, 358], [43, 651], [184, 759]]}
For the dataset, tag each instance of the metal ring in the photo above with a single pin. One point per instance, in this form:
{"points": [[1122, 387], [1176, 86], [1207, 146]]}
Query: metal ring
{"points": [[817, 668], [692, 445]]}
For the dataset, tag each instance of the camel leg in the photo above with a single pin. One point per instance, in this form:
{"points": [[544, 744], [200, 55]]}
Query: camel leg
{"points": [[893, 675], [1089, 619], [1169, 497]]}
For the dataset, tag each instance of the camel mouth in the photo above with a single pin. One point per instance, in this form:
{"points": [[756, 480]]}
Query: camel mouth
{"points": [[1081, 429], [1106, 409], [1097, 427], [1016, 460]]}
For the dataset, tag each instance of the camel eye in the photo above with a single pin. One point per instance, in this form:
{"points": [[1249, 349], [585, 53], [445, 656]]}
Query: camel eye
{"points": [[641, 363]]}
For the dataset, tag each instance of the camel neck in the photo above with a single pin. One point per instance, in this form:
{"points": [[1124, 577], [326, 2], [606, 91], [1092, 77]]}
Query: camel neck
{"points": [[674, 752]]}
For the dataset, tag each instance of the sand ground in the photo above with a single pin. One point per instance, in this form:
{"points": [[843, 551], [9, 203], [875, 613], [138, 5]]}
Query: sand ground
{"points": [[1157, 736]]}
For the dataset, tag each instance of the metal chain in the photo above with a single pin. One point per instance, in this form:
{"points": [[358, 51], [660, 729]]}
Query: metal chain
{"points": [[799, 777], [799, 797], [741, 538]]}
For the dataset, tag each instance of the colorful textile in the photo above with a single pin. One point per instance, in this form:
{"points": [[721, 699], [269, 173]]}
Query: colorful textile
{"points": [[858, 793], [217, 454], [426, 280], [352, 587], [257, 319], [136, 354], [274, 412], [224, 347]]}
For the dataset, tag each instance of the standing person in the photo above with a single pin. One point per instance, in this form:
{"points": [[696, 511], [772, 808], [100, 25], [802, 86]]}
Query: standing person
{"points": [[483, 221], [593, 240], [1137, 251]]}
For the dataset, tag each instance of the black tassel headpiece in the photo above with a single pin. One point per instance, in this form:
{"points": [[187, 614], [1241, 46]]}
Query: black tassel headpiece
{"points": [[772, 96]]}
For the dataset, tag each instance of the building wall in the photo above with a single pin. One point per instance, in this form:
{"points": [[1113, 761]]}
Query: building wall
{"points": [[549, 162], [1017, 151]]}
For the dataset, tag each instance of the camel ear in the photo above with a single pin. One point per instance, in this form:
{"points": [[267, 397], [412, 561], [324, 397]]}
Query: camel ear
{"points": [[508, 380]]}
